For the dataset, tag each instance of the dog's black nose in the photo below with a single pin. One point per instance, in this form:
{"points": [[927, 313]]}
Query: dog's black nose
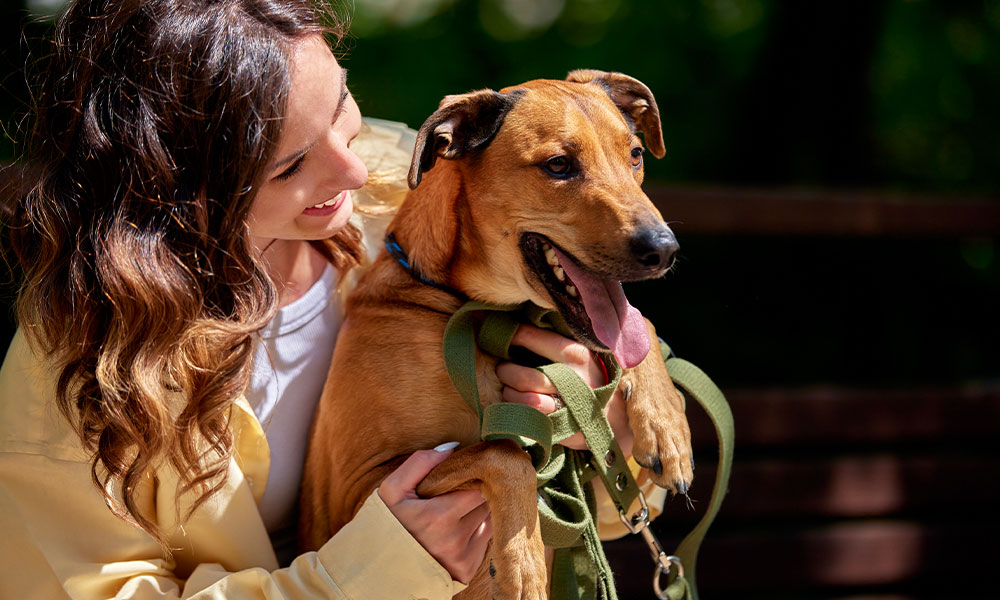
{"points": [[655, 247]]}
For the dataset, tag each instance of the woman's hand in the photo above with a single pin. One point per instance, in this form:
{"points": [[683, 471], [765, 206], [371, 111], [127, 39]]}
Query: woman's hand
{"points": [[454, 528], [529, 386]]}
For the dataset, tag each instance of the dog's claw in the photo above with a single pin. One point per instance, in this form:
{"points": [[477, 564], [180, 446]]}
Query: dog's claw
{"points": [[652, 463], [682, 487]]}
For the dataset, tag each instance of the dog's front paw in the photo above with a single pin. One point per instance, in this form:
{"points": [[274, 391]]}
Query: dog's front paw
{"points": [[662, 439]]}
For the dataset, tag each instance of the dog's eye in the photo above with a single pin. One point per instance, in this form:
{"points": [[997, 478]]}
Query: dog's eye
{"points": [[636, 156], [560, 166]]}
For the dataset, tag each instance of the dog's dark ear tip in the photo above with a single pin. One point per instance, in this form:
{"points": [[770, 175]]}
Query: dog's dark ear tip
{"points": [[413, 180], [415, 173]]}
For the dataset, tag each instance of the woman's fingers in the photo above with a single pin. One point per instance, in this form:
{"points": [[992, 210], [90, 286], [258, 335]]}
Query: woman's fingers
{"points": [[543, 402], [550, 345], [480, 537], [475, 517], [524, 379], [402, 483], [451, 527], [560, 349], [456, 505]]}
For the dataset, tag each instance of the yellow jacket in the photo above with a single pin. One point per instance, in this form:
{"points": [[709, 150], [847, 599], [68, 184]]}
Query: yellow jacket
{"points": [[59, 539]]}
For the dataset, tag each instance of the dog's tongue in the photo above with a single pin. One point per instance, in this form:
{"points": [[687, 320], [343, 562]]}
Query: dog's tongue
{"points": [[617, 323]]}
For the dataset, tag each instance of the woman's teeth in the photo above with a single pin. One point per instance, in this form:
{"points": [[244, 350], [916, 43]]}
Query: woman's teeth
{"points": [[329, 202]]}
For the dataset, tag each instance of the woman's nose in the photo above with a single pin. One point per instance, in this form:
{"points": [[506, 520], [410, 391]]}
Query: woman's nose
{"points": [[345, 165]]}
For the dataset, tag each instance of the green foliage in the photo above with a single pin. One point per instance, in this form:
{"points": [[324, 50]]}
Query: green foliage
{"points": [[936, 88], [928, 81], [692, 55]]}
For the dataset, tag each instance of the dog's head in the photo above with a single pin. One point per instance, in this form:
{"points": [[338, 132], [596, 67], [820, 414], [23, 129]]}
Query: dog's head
{"points": [[539, 199]]}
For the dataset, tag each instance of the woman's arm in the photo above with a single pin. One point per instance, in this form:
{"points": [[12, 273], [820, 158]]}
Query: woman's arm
{"points": [[62, 541]]}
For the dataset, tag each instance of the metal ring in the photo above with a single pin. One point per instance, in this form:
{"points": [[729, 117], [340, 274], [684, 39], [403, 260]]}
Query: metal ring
{"points": [[661, 569], [558, 401]]}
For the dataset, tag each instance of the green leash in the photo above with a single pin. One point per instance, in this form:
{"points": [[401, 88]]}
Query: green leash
{"points": [[697, 384], [567, 506]]}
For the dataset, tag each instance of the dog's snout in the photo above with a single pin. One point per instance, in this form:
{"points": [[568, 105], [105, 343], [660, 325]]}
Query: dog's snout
{"points": [[655, 247]]}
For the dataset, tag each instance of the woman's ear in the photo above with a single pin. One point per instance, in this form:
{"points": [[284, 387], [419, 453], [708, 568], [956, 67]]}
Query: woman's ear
{"points": [[462, 124]]}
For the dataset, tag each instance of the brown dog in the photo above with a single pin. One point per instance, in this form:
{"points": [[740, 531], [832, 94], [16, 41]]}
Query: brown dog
{"points": [[544, 172]]}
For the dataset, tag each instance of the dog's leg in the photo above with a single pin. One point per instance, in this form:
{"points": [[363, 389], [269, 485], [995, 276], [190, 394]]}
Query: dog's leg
{"points": [[506, 479], [656, 415]]}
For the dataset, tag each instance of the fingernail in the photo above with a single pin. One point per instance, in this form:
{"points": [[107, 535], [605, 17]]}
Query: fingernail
{"points": [[446, 446]]}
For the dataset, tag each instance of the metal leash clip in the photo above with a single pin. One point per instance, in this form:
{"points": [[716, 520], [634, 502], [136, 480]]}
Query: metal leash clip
{"points": [[639, 523]]}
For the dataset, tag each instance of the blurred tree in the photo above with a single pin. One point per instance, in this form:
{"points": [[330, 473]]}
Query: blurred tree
{"points": [[805, 114], [874, 94], [936, 86], [869, 93]]}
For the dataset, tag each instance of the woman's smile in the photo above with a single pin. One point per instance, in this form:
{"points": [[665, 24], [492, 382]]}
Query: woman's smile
{"points": [[327, 208]]}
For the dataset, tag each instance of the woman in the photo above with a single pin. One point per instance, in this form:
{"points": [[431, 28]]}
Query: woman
{"points": [[184, 239]]}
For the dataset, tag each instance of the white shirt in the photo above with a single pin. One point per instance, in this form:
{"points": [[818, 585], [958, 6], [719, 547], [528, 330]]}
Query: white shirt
{"points": [[289, 369]]}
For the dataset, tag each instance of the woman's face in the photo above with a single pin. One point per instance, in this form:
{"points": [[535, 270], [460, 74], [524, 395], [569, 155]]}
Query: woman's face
{"points": [[305, 191]]}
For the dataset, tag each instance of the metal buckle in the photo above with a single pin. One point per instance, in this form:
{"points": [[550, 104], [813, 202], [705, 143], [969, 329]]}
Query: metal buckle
{"points": [[639, 520]]}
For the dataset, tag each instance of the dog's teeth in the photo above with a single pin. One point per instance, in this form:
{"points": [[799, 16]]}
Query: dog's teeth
{"points": [[560, 274], [571, 290], [550, 257]]}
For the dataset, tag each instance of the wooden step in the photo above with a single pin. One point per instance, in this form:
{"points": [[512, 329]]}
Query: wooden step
{"points": [[842, 486], [833, 416], [851, 554]]}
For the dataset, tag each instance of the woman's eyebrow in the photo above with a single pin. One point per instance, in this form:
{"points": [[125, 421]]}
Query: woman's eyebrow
{"points": [[340, 105]]}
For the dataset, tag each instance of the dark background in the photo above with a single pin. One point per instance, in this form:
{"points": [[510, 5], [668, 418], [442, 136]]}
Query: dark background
{"points": [[861, 361]]}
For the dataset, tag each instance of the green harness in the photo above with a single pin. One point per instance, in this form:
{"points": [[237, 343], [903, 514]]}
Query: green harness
{"points": [[566, 502]]}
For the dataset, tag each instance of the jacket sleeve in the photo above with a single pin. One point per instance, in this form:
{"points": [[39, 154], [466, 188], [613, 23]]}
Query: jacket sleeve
{"points": [[373, 556], [61, 541]]}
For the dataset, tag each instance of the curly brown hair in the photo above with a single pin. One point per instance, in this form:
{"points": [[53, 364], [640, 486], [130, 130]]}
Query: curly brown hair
{"points": [[151, 132]]}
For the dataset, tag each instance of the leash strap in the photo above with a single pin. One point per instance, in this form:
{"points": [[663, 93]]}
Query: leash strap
{"points": [[567, 506], [697, 384]]}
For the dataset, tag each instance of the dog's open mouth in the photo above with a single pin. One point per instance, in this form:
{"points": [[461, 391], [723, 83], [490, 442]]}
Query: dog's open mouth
{"points": [[594, 306]]}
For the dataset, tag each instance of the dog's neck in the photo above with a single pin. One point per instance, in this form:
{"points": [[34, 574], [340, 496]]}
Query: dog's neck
{"points": [[427, 226], [403, 259]]}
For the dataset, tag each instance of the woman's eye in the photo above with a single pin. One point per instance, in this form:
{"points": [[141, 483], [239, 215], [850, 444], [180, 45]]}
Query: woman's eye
{"points": [[636, 156], [560, 166], [291, 170]]}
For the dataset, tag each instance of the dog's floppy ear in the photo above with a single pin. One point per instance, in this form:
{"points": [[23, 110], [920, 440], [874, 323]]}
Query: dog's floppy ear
{"points": [[462, 124], [635, 101]]}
